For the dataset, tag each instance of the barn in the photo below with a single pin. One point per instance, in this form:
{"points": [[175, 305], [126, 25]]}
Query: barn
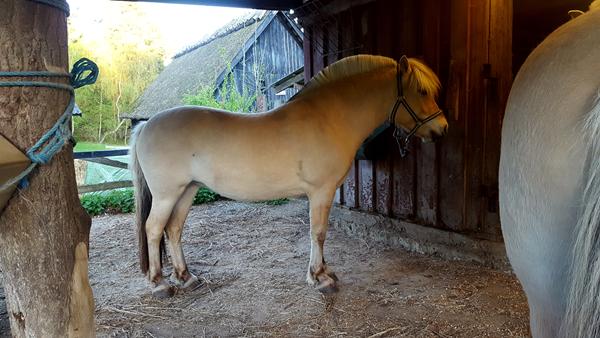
{"points": [[476, 47], [254, 52], [441, 199]]}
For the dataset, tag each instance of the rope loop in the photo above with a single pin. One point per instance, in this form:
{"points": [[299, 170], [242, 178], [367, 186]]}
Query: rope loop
{"points": [[78, 79]]}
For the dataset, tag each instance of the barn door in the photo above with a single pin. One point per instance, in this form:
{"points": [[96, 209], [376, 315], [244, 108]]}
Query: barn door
{"points": [[479, 83]]}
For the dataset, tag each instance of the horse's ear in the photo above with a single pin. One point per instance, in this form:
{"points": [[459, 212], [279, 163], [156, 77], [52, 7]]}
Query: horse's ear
{"points": [[575, 13], [404, 64]]}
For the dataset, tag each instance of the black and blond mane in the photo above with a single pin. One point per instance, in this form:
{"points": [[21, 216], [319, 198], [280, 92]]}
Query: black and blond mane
{"points": [[421, 77]]}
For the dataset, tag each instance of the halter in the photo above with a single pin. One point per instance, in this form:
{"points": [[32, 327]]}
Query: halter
{"points": [[401, 100]]}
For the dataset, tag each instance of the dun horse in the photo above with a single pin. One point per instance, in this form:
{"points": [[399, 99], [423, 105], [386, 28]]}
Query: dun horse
{"points": [[550, 180], [304, 147]]}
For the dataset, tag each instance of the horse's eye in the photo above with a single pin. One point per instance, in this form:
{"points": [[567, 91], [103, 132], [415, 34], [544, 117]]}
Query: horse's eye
{"points": [[422, 93]]}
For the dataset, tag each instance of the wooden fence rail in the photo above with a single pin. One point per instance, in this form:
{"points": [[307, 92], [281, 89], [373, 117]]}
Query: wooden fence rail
{"points": [[100, 157]]}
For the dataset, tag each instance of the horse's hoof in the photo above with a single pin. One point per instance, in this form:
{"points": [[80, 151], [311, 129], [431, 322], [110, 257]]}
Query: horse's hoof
{"points": [[328, 286], [191, 284], [163, 291], [333, 276]]}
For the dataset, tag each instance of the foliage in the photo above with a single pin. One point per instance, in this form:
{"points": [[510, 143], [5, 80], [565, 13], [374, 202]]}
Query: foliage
{"points": [[116, 201], [123, 201], [229, 97], [279, 201], [205, 195], [128, 50]]}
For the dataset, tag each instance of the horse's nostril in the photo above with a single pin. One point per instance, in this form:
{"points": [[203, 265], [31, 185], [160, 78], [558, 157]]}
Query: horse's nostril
{"points": [[445, 129]]}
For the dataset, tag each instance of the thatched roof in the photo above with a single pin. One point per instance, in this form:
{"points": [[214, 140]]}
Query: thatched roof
{"points": [[197, 66]]}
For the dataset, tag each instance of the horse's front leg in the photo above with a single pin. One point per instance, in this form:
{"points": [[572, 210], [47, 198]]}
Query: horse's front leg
{"points": [[319, 273]]}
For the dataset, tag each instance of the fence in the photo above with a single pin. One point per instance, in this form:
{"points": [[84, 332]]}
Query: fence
{"points": [[101, 157]]}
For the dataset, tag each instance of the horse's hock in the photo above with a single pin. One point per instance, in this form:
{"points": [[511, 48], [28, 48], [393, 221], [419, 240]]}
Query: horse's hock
{"points": [[252, 259]]}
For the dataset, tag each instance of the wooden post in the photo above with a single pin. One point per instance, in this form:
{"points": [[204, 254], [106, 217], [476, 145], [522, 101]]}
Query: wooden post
{"points": [[44, 232]]}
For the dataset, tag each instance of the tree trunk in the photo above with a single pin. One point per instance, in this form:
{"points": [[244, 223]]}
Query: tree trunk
{"points": [[44, 232]]}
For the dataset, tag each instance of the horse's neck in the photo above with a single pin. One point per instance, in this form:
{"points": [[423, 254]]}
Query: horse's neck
{"points": [[357, 108]]}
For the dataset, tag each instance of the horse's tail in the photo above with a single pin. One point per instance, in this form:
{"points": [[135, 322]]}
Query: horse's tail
{"points": [[143, 198], [582, 317]]}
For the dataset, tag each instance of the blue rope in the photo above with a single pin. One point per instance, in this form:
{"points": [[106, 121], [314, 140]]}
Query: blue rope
{"points": [[60, 4], [84, 72]]}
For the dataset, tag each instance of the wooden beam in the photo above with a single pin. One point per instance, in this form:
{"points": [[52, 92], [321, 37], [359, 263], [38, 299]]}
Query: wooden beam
{"points": [[80, 155], [84, 189], [108, 162], [256, 4], [289, 80]]}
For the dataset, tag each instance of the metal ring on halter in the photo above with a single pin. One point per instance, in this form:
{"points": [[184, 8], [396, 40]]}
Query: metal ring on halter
{"points": [[401, 100]]}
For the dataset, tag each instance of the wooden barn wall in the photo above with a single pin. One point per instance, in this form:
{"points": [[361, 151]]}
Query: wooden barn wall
{"points": [[274, 54], [452, 184]]}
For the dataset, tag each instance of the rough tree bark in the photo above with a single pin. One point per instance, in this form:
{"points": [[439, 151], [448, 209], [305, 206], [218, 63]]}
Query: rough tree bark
{"points": [[44, 232]]}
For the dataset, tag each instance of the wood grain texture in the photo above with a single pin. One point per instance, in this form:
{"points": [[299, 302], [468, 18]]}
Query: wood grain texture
{"points": [[451, 184], [42, 225]]}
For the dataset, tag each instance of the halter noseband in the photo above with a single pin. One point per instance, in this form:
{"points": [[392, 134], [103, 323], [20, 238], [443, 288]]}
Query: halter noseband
{"points": [[401, 100]]}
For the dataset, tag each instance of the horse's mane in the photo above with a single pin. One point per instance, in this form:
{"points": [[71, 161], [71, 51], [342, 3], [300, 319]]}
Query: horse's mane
{"points": [[421, 77], [595, 5]]}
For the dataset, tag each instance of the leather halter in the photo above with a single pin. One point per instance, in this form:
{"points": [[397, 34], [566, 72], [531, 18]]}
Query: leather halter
{"points": [[401, 100]]}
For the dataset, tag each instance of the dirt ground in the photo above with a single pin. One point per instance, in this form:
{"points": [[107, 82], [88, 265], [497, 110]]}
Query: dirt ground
{"points": [[253, 259]]}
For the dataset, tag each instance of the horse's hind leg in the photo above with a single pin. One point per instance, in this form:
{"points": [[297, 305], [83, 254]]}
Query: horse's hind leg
{"points": [[162, 207], [319, 273], [181, 276]]}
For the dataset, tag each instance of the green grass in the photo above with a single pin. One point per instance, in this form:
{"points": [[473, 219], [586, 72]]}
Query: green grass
{"points": [[89, 146]]}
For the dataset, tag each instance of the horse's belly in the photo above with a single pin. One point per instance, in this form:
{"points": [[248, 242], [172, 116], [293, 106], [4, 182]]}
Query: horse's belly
{"points": [[244, 192], [251, 184]]}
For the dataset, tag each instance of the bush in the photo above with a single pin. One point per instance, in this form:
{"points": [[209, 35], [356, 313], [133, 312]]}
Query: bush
{"points": [[279, 201], [205, 195], [123, 201]]}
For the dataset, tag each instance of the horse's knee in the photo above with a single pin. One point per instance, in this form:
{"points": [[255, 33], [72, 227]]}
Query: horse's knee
{"points": [[319, 234]]}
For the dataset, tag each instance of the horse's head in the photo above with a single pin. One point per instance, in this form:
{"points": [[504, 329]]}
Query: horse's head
{"points": [[418, 113]]}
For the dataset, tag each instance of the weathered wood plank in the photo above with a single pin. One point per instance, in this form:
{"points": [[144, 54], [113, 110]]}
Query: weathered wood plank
{"points": [[479, 13], [104, 186], [365, 185], [497, 82], [452, 148], [108, 162], [426, 156], [349, 188], [80, 155]]}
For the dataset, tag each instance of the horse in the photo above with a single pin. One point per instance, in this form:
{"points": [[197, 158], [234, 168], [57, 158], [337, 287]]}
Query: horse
{"points": [[304, 147], [549, 180]]}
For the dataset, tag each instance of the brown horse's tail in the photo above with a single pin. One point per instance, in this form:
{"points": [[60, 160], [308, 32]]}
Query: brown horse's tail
{"points": [[143, 198]]}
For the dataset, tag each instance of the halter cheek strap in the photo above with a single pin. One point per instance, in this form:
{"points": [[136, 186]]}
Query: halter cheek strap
{"points": [[401, 100]]}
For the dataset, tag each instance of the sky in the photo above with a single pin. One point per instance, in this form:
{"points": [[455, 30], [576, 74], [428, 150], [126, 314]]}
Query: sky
{"points": [[182, 25]]}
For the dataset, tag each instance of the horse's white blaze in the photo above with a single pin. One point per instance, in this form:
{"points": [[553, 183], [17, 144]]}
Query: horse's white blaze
{"points": [[543, 170], [304, 147]]}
